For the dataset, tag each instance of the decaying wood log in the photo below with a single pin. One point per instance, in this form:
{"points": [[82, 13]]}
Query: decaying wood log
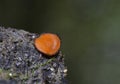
{"points": [[22, 63]]}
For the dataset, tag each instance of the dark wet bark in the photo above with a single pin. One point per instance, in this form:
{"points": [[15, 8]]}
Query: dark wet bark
{"points": [[22, 63]]}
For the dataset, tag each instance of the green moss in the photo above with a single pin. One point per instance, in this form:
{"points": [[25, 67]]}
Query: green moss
{"points": [[4, 74], [44, 64], [24, 77]]}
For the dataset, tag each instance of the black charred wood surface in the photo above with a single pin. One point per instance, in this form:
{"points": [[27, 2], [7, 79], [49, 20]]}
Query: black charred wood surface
{"points": [[22, 63]]}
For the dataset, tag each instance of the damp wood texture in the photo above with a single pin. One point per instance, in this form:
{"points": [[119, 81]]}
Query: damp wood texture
{"points": [[22, 63]]}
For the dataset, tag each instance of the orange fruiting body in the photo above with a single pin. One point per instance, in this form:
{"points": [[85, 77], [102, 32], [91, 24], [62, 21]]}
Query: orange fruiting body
{"points": [[48, 43]]}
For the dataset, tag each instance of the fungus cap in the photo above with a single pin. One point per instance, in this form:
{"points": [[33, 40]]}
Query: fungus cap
{"points": [[48, 43]]}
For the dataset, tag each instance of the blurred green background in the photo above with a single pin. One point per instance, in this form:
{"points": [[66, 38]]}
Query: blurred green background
{"points": [[89, 29]]}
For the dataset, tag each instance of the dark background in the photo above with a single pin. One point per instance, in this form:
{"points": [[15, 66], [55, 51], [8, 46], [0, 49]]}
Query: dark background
{"points": [[89, 30]]}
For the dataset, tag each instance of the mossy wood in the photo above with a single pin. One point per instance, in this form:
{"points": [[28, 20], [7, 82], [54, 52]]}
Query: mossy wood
{"points": [[22, 63]]}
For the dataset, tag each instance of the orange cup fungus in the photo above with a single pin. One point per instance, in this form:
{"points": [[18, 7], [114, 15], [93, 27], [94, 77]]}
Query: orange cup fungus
{"points": [[48, 43]]}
